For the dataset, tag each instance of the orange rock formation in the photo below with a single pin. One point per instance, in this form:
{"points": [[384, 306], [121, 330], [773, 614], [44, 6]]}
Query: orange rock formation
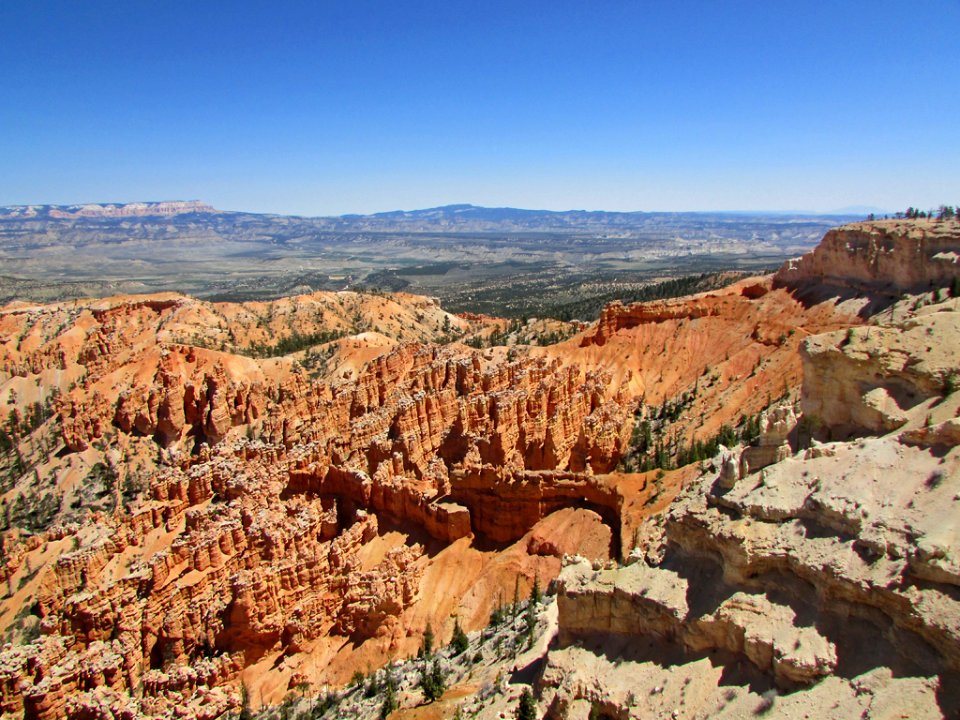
{"points": [[278, 520]]}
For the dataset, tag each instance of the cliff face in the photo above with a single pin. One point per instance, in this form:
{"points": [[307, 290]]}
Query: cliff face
{"points": [[892, 255], [867, 381], [795, 577], [825, 583], [731, 352]]}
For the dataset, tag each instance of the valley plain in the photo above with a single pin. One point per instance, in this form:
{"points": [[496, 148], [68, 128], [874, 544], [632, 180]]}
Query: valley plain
{"points": [[504, 261]]}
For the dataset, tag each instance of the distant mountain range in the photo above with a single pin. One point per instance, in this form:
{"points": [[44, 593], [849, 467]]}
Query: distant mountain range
{"points": [[463, 217], [477, 212], [164, 208]]}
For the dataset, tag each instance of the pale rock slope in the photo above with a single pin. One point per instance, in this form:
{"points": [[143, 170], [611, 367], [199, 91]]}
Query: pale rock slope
{"points": [[816, 574]]}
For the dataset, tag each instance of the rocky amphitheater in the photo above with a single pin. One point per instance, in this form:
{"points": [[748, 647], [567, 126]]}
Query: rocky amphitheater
{"points": [[216, 509]]}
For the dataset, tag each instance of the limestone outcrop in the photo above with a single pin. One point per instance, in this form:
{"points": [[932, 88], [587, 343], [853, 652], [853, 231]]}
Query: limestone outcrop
{"points": [[773, 445], [803, 578], [885, 255], [867, 380]]}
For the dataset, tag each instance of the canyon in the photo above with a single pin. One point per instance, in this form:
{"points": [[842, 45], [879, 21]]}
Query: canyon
{"points": [[208, 503]]}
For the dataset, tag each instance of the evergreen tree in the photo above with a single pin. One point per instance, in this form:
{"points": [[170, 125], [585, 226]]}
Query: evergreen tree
{"points": [[516, 597], [496, 615], [373, 686], [432, 681], [530, 617], [459, 642], [535, 595], [389, 696], [426, 649], [526, 709]]}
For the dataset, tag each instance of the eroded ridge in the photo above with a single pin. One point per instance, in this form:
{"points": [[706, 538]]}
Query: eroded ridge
{"points": [[811, 578]]}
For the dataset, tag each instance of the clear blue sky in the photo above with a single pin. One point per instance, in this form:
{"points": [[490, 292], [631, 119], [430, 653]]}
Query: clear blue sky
{"points": [[357, 106]]}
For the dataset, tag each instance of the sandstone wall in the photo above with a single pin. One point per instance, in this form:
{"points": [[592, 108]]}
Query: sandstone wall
{"points": [[885, 255]]}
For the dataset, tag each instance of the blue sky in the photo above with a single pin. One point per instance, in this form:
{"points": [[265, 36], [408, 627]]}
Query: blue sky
{"points": [[357, 106]]}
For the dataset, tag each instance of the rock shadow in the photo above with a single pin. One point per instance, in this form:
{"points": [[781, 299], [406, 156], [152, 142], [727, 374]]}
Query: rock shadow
{"points": [[530, 673]]}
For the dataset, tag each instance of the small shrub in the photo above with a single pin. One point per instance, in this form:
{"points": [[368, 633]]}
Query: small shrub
{"points": [[934, 479], [950, 383]]}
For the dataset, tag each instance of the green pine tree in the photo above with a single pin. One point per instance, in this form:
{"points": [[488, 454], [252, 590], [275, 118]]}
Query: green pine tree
{"points": [[526, 709], [432, 681], [459, 642], [426, 648], [530, 623], [389, 702]]}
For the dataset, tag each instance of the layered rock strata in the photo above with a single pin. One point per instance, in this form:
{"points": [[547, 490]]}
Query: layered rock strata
{"points": [[867, 380], [819, 581], [888, 255]]}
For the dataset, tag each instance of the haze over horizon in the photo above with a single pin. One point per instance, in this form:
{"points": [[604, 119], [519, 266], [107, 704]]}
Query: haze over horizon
{"points": [[327, 109]]}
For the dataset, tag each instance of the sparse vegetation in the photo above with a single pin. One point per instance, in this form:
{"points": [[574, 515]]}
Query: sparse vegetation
{"points": [[654, 445], [934, 479], [950, 382], [521, 332], [34, 512], [292, 343]]}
